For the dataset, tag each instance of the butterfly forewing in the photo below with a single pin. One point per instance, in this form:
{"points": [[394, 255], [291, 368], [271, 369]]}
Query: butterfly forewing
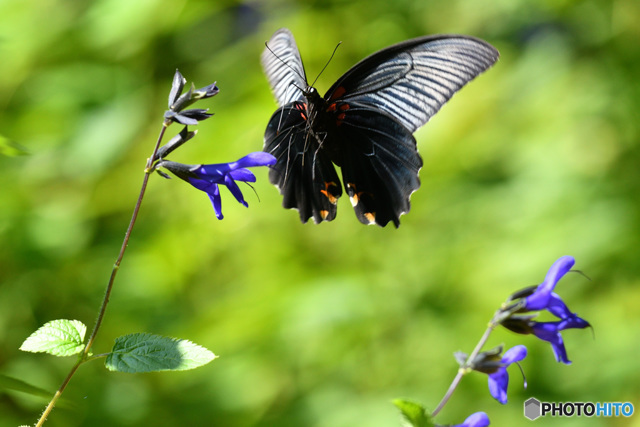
{"points": [[413, 79], [283, 66]]}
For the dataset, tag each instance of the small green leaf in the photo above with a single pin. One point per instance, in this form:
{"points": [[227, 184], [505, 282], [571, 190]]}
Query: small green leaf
{"points": [[414, 414], [148, 353], [59, 337]]}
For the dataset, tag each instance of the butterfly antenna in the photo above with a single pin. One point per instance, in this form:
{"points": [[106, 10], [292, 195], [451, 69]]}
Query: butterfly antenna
{"points": [[266, 44], [325, 65], [254, 190]]}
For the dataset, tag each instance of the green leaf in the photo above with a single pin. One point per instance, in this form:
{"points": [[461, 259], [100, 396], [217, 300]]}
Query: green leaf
{"points": [[414, 414], [148, 353], [11, 149], [10, 383], [59, 337]]}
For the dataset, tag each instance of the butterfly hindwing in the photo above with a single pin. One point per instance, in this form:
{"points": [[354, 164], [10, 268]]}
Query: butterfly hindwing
{"points": [[412, 80], [379, 161], [304, 174]]}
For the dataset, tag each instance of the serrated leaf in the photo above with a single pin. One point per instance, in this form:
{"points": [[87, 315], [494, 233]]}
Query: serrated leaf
{"points": [[144, 352], [414, 414], [59, 337]]}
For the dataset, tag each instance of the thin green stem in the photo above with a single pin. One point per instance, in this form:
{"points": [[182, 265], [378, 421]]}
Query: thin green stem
{"points": [[84, 356], [58, 393], [125, 243], [96, 356], [465, 368]]}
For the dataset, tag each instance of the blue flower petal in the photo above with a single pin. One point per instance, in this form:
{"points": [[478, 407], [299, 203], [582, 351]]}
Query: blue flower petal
{"points": [[514, 354], [216, 201], [557, 307], [498, 383], [550, 332], [573, 322], [540, 298], [213, 173], [213, 191], [235, 190], [208, 177], [559, 350], [259, 158], [206, 186], [243, 175], [479, 419]]}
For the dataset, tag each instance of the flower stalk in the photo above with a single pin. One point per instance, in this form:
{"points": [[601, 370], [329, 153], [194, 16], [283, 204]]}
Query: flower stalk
{"points": [[204, 177], [517, 314]]}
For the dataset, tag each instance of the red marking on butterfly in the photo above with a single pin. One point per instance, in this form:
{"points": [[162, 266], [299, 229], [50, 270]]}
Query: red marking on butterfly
{"points": [[303, 109], [338, 93]]}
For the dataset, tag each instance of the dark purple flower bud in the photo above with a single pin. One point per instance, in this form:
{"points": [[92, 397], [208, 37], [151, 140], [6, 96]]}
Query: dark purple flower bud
{"points": [[187, 117], [183, 100], [192, 96], [176, 87], [486, 362], [208, 177], [175, 142], [206, 92]]}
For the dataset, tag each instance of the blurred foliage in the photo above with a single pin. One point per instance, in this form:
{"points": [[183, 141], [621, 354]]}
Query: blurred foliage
{"points": [[315, 325]]}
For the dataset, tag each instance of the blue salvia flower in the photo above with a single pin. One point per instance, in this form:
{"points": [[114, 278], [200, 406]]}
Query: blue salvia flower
{"points": [[207, 178], [543, 297], [499, 380], [495, 366]]}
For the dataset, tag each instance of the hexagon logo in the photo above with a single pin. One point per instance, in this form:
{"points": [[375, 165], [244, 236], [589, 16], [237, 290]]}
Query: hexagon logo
{"points": [[532, 408]]}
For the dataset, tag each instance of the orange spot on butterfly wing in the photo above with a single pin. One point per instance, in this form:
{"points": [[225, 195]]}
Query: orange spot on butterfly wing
{"points": [[328, 192], [371, 217]]}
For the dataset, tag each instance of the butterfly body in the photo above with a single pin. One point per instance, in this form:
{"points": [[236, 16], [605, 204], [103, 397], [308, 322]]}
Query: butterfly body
{"points": [[364, 124]]}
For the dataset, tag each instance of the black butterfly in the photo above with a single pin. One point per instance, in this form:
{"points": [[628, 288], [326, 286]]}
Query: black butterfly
{"points": [[364, 123]]}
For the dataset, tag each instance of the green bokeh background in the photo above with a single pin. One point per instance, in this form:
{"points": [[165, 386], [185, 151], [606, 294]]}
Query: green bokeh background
{"points": [[315, 325]]}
